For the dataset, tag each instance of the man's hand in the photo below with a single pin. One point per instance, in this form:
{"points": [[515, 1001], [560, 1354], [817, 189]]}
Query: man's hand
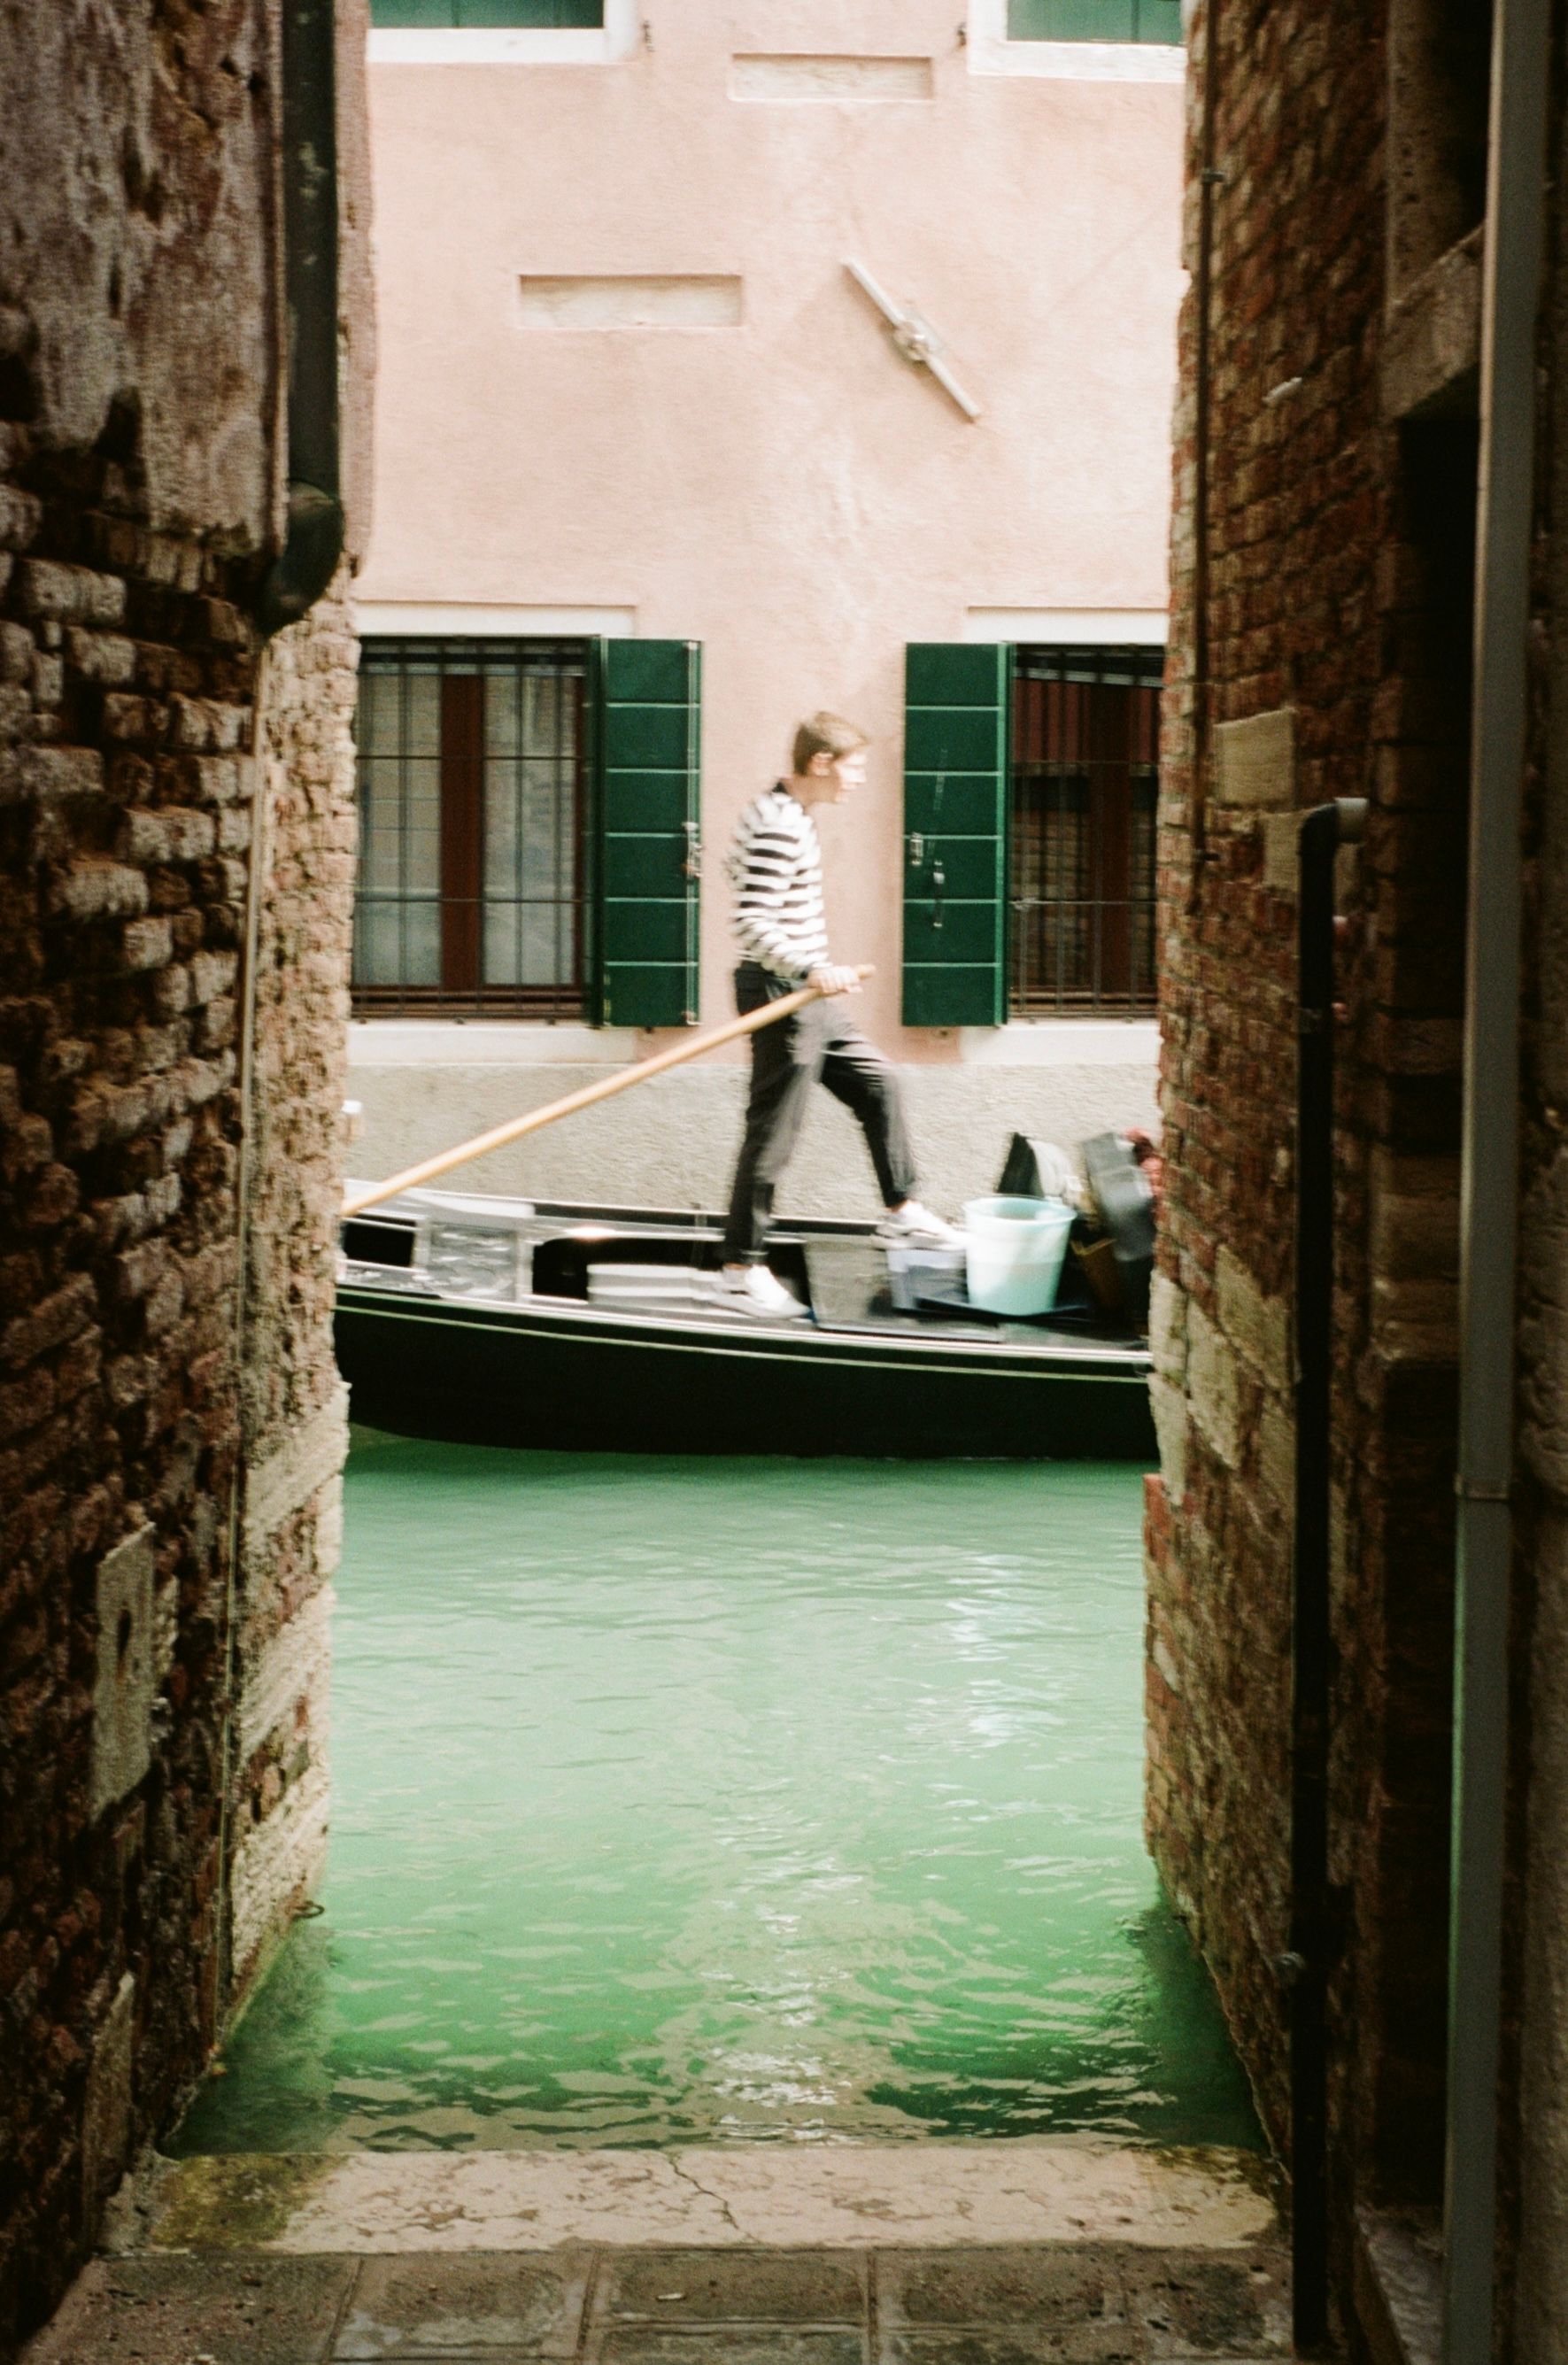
{"points": [[833, 979]]}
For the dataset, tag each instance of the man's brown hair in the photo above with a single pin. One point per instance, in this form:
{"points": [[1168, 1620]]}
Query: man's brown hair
{"points": [[825, 734]]}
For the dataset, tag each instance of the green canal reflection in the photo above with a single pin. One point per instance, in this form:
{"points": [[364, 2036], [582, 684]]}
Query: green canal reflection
{"points": [[687, 1800]]}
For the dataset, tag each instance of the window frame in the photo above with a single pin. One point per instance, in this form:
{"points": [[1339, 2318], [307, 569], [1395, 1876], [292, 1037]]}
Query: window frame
{"points": [[460, 828], [519, 24], [1132, 1000], [619, 38], [990, 49]]}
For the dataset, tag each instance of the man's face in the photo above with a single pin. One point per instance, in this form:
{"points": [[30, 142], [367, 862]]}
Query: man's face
{"points": [[846, 774]]}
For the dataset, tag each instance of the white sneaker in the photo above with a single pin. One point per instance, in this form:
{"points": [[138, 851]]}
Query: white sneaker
{"points": [[752, 1289], [915, 1227]]}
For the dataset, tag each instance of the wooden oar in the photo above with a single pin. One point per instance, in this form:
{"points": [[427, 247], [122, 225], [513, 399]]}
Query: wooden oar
{"points": [[769, 1015]]}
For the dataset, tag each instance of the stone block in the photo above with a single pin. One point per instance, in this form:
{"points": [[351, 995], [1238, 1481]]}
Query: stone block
{"points": [[294, 1666], [1168, 1405], [1258, 1324], [276, 2312], [1254, 761], [1190, 2304], [1431, 348], [470, 2307], [51, 590], [20, 516], [98, 889], [1050, 2287], [767, 2345], [106, 2112], [53, 773], [146, 944], [1169, 1673], [277, 1864], [1414, 1233], [167, 834], [678, 2288], [1415, 1320], [106, 657], [50, 1324], [1276, 1455], [211, 974], [312, 1456], [123, 1674], [1213, 1391], [1281, 852], [1167, 1327]]}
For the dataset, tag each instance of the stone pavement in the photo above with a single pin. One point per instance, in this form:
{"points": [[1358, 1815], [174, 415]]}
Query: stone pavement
{"points": [[474, 2260]]}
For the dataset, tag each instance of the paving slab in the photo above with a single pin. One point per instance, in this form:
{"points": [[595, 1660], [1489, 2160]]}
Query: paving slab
{"points": [[1044, 2287], [1084, 2344], [199, 2311], [1025, 2252], [627, 2345], [678, 2287], [443, 2307], [1205, 2307], [834, 2196]]}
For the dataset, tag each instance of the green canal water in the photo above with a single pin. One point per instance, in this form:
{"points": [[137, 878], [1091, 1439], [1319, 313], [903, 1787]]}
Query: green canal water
{"points": [[699, 1799]]}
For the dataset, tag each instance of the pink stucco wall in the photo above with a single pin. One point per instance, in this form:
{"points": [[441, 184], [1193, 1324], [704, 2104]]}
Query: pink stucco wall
{"points": [[789, 491]]}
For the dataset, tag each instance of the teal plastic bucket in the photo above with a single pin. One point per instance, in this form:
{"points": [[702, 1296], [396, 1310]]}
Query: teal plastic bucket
{"points": [[1013, 1249]]}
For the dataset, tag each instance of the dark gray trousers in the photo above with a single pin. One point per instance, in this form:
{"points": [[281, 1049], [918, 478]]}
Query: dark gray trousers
{"points": [[817, 1045]]}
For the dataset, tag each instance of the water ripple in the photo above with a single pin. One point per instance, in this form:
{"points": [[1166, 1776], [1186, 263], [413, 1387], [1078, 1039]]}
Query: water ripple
{"points": [[686, 1799]]}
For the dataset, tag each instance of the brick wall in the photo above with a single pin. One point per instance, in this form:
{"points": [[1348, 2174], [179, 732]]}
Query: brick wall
{"points": [[164, 1532], [1338, 625], [295, 1413]]}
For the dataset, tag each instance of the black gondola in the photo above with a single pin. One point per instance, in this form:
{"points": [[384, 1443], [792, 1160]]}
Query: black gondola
{"points": [[538, 1323]]}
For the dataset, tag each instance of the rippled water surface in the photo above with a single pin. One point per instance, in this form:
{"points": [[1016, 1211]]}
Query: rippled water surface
{"points": [[705, 1799]]}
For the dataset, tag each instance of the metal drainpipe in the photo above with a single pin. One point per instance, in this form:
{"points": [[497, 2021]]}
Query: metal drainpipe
{"points": [[315, 544], [1304, 1968], [1489, 1185]]}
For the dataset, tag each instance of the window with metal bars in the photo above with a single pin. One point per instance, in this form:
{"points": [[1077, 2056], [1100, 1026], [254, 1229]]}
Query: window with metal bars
{"points": [[483, 13], [1081, 854], [1158, 22], [470, 893]]}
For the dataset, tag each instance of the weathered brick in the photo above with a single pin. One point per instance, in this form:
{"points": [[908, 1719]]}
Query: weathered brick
{"points": [[167, 834], [146, 944], [49, 589], [107, 658], [50, 1323], [20, 515], [97, 889], [53, 773], [211, 974]]}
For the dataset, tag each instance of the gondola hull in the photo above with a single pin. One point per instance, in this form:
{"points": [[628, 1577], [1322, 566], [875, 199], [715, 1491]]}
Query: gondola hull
{"points": [[546, 1371]]}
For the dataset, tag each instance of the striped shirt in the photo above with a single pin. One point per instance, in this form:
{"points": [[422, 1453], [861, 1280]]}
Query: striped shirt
{"points": [[776, 867]]}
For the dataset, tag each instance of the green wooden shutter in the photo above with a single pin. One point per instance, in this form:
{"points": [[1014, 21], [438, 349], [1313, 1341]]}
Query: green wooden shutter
{"points": [[647, 737], [955, 821]]}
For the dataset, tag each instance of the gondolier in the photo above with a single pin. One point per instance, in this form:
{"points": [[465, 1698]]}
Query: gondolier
{"points": [[775, 868]]}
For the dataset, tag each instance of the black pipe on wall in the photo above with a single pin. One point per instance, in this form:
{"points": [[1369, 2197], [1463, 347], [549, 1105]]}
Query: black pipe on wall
{"points": [[315, 543], [1305, 1966]]}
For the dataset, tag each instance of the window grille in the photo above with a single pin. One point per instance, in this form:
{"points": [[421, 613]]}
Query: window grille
{"points": [[1085, 779], [1151, 21], [476, 13], [470, 892]]}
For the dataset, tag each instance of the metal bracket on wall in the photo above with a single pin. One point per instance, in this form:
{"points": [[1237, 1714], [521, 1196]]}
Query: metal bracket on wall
{"points": [[916, 340]]}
